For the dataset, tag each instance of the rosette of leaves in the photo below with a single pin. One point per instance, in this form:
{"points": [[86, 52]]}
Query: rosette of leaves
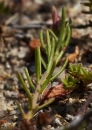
{"points": [[54, 48], [69, 82], [77, 74]]}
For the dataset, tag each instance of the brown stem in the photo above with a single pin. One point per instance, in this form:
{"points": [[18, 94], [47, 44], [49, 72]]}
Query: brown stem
{"points": [[84, 107]]}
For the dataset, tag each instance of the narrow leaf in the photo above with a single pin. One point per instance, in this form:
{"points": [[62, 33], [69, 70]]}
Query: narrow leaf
{"points": [[21, 110], [38, 63], [60, 71], [25, 88], [42, 39], [48, 44], [53, 34], [43, 62], [29, 79], [62, 30]]}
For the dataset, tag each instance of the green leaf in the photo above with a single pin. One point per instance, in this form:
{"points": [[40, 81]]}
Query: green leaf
{"points": [[46, 104], [21, 110], [42, 40], [69, 82], [53, 35], [29, 79], [60, 71], [38, 63], [50, 68], [43, 62], [48, 44], [26, 89], [62, 30], [66, 42]]}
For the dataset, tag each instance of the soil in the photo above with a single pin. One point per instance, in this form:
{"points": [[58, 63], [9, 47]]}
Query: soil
{"points": [[20, 23]]}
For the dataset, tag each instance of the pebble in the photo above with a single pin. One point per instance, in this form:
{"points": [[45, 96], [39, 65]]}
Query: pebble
{"points": [[14, 112], [3, 103], [54, 84], [71, 100], [38, 1], [57, 121], [8, 65], [82, 100], [2, 57], [14, 52], [32, 69], [69, 117], [11, 94], [52, 128], [22, 52], [7, 125]]}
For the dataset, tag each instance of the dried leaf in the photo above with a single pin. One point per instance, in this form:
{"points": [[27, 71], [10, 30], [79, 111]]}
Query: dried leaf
{"points": [[73, 56], [57, 92]]}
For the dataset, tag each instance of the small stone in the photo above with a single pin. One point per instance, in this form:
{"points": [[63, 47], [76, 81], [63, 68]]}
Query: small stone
{"points": [[52, 128], [7, 125], [11, 94], [58, 122], [22, 52], [14, 52], [8, 65], [38, 1], [71, 100], [82, 100], [69, 117]]}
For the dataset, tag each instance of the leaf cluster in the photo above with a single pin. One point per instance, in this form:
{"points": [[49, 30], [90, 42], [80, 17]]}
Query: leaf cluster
{"points": [[77, 74]]}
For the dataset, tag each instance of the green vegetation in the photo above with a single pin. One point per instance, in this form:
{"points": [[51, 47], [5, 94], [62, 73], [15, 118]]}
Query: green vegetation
{"points": [[54, 50], [77, 74]]}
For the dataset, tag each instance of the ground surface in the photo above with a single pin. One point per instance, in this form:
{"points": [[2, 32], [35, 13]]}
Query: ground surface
{"points": [[17, 28]]}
